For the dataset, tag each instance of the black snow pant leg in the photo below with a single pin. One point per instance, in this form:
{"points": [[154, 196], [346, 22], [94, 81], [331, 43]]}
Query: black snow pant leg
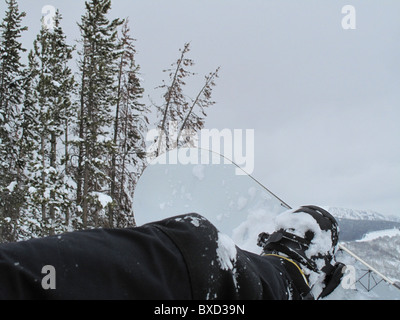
{"points": [[133, 263]]}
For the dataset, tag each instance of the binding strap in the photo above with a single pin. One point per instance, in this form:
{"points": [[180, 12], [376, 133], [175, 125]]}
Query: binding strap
{"points": [[291, 261], [300, 283]]}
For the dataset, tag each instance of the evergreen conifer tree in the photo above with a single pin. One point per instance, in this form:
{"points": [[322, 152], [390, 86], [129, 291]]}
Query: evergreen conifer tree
{"points": [[95, 147], [130, 123], [175, 102], [185, 114], [11, 94], [48, 114]]}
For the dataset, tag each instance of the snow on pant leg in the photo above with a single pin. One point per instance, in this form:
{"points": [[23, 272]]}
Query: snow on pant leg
{"points": [[218, 269], [133, 263]]}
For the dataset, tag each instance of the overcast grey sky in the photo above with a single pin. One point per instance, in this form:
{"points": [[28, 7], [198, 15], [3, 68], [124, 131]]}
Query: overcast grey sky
{"points": [[324, 102]]}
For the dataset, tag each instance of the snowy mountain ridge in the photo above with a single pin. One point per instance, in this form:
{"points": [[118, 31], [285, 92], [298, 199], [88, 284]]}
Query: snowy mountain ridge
{"points": [[356, 224], [353, 214]]}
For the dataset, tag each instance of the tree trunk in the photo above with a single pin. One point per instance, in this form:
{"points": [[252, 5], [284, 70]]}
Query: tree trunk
{"points": [[80, 169], [66, 166], [53, 156], [113, 159], [85, 208], [168, 98], [42, 153]]}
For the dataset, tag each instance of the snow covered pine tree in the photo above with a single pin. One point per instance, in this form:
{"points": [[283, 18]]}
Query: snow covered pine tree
{"points": [[47, 117], [98, 66], [11, 96], [178, 109], [130, 123], [182, 257]]}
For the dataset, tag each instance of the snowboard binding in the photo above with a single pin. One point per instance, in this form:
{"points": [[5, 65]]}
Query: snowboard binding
{"points": [[312, 243]]}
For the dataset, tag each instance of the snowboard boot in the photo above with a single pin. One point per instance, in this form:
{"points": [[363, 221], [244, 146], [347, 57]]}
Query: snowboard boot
{"points": [[309, 237]]}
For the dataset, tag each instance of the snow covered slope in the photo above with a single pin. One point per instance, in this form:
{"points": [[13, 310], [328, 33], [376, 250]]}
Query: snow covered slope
{"points": [[382, 249], [376, 239]]}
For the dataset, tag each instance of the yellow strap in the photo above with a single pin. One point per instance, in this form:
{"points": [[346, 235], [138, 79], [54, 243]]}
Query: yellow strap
{"points": [[301, 271]]}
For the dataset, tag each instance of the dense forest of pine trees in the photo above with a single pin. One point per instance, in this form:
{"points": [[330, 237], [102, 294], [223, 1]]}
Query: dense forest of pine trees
{"points": [[72, 144]]}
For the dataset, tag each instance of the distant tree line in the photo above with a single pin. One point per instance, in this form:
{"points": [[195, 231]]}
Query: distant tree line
{"points": [[72, 144]]}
